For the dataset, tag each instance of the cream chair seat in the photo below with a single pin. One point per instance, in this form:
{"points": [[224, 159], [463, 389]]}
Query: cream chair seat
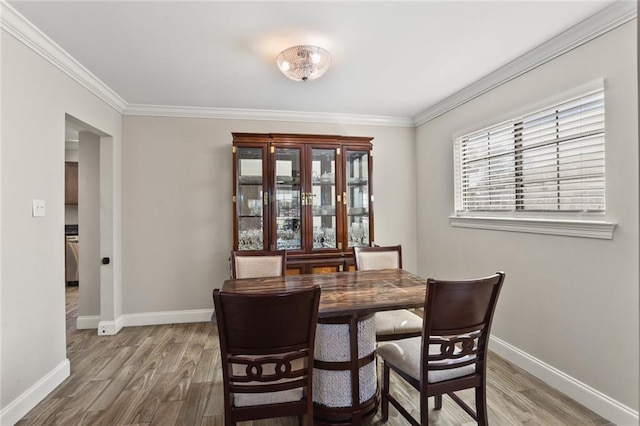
{"points": [[390, 325], [452, 354]]}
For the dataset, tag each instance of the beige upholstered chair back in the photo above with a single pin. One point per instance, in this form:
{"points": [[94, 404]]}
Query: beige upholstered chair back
{"points": [[370, 258], [257, 265]]}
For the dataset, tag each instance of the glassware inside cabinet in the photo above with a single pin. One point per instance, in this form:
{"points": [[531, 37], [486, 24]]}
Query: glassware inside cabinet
{"points": [[287, 195], [249, 198], [323, 198], [357, 184]]}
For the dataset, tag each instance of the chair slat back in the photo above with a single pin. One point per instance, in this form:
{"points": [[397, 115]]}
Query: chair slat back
{"points": [[266, 345], [461, 306], [459, 320], [453, 348], [267, 323]]}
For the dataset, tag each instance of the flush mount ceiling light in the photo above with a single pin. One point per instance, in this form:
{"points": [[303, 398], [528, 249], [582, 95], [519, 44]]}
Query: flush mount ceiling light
{"points": [[304, 63]]}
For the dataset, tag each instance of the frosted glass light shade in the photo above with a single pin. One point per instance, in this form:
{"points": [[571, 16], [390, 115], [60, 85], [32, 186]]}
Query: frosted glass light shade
{"points": [[304, 63]]}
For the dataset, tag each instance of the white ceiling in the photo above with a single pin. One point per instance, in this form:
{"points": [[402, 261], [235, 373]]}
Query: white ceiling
{"points": [[392, 59]]}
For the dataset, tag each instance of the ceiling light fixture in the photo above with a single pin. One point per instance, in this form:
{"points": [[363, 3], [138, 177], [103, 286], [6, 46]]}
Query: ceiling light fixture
{"points": [[304, 63]]}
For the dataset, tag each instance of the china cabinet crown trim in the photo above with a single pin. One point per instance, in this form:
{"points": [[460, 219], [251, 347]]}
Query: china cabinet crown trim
{"points": [[333, 186]]}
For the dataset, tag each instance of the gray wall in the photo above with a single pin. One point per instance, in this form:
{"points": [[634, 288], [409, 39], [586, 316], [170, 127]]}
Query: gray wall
{"points": [[89, 221], [569, 302], [177, 211], [35, 98]]}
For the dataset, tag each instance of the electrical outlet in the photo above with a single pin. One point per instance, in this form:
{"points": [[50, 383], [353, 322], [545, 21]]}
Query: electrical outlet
{"points": [[37, 209]]}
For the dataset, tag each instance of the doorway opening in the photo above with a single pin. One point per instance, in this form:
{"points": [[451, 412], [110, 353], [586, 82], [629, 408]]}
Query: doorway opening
{"points": [[88, 224]]}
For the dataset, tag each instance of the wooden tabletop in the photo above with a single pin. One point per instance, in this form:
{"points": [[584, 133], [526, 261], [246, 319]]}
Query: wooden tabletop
{"points": [[346, 293]]}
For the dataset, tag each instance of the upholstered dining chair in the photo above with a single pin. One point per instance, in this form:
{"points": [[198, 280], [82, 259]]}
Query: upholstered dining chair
{"points": [[390, 325], [257, 264], [267, 358], [451, 355]]}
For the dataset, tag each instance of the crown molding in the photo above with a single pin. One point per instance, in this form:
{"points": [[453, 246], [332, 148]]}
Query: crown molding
{"points": [[609, 18], [606, 20], [266, 115], [19, 27]]}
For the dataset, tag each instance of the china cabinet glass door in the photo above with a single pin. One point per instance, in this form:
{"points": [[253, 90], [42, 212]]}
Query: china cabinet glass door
{"points": [[357, 195], [308, 194], [287, 199], [250, 198], [323, 198]]}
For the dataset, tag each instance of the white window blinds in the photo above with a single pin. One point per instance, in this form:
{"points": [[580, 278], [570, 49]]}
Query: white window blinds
{"points": [[550, 160]]}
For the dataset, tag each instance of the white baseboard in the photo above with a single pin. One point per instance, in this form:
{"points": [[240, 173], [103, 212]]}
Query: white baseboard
{"points": [[591, 398], [109, 328], [20, 406], [167, 317], [86, 322]]}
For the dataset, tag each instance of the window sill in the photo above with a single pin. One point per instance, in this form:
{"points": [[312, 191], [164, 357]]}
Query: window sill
{"points": [[571, 228]]}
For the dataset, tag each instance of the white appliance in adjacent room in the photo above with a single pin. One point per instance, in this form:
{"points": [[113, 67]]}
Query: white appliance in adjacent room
{"points": [[72, 251]]}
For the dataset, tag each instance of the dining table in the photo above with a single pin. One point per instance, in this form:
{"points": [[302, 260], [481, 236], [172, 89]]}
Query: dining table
{"points": [[345, 385]]}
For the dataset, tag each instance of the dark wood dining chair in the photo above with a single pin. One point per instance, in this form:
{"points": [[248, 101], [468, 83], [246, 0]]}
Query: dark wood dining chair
{"points": [[266, 346], [390, 325], [452, 354], [257, 264]]}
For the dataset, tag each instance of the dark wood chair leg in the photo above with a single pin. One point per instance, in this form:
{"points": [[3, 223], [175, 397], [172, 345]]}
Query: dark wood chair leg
{"points": [[458, 332], [438, 402], [424, 409], [385, 392], [481, 405]]}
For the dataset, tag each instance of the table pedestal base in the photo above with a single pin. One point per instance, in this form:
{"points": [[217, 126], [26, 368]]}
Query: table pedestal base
{"points": [[345, 386]]}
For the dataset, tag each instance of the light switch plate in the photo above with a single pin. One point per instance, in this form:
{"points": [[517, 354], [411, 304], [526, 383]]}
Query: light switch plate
{"points": [[38, 208]]}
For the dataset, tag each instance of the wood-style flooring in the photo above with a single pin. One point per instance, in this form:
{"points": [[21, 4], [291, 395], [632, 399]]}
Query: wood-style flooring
{"points": [[171, 375]]}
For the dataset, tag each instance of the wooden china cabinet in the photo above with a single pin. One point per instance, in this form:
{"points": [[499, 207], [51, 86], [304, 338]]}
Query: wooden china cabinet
{"points": [[308, 194]]}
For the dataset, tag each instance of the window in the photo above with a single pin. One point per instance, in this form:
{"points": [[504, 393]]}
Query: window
{"points": [[549, 161], [542, 172]]}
